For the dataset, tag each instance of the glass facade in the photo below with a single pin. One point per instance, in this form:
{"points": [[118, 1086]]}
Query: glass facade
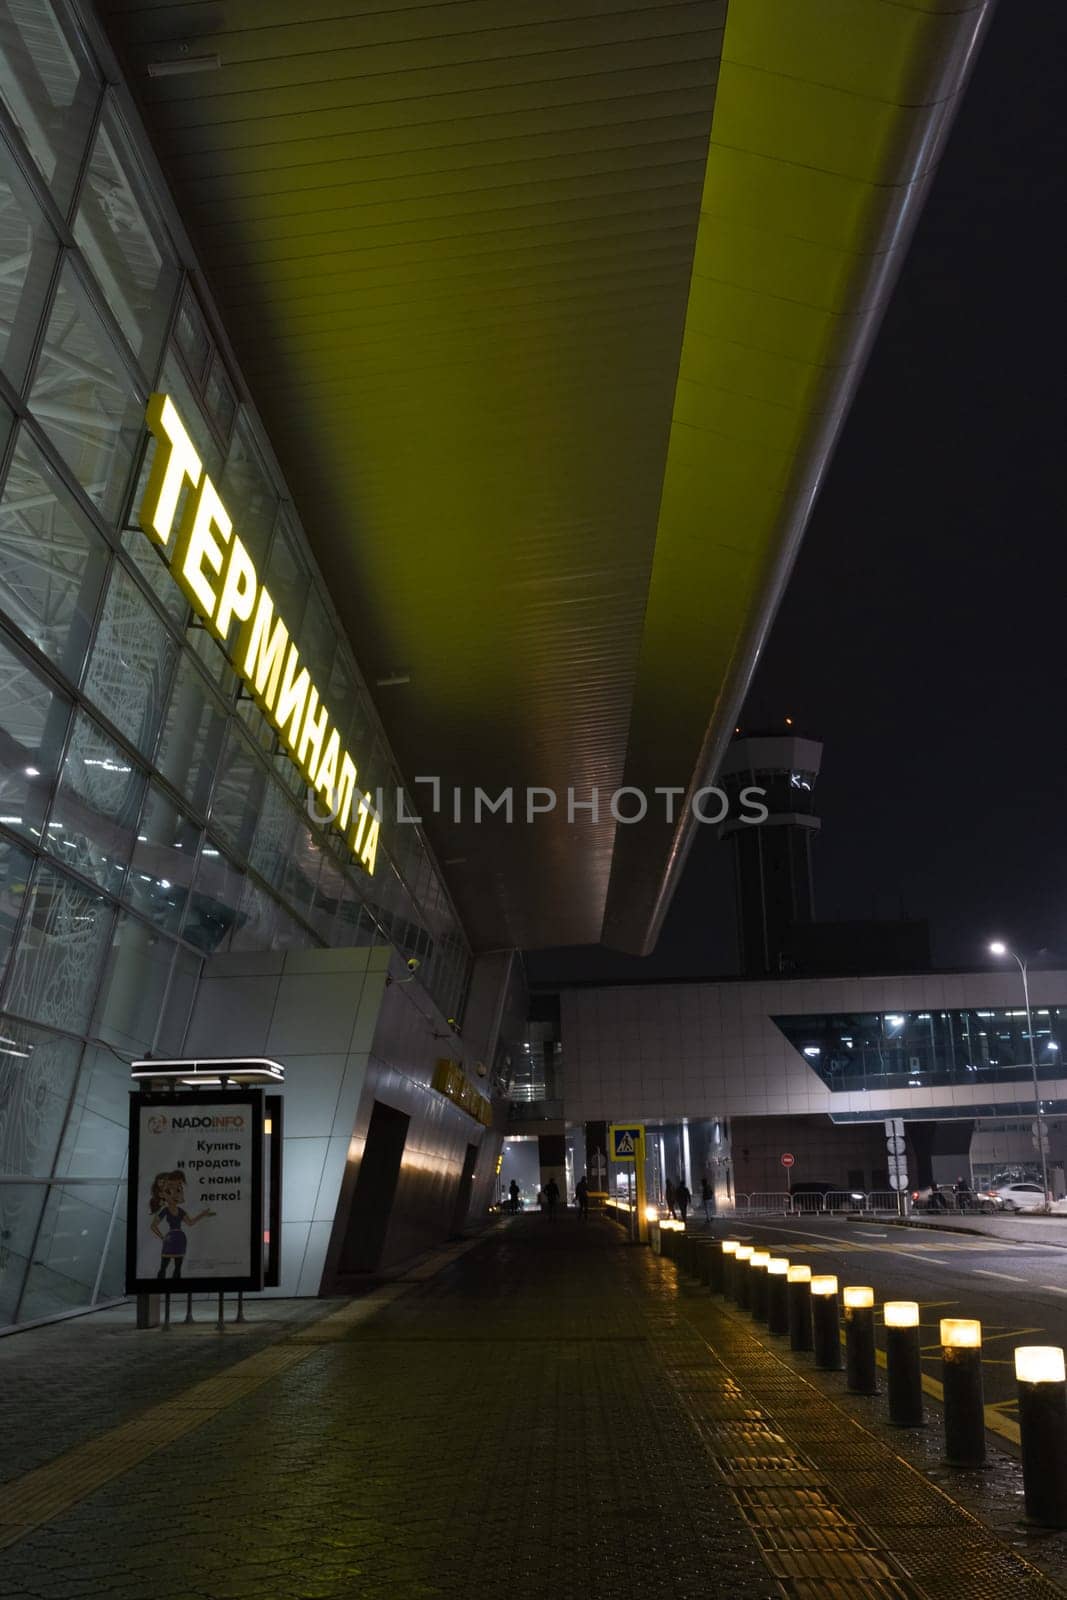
{"points": [[926, 1049], [148, 818]]}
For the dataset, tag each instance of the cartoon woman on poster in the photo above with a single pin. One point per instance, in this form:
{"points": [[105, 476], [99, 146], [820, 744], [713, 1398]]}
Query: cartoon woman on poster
{"points": [[169, 1213]]}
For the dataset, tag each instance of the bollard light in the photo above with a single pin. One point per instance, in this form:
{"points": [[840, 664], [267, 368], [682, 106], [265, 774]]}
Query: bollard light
{"points": [[743, 1277], [714, 1267], [758, 1292], [961, 1333], [1039, 1363], [903, 1360], [1042, 1389], [826, 1322], [651, 1214], [860, 1367], [798, 1280], [964, 1401], [777, 1296], [901, 1313]]}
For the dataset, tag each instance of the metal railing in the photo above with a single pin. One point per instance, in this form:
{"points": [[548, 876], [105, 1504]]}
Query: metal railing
{"points": [[835, 1203]]}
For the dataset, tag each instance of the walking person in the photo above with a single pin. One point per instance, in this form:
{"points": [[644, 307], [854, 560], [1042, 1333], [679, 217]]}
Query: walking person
{"points": [[668, 1196], [552, 1195], [581, 1194], [682, 1198], [707, 1196], [513, 1191]]}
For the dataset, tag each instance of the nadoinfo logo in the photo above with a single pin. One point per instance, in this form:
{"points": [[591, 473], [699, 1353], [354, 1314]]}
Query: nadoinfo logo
{"points": [[158, 1124]]}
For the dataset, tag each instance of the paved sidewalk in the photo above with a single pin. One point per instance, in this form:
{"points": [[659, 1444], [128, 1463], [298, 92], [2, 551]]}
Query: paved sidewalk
{"points": [[1017, 1228], [550, 1417]]}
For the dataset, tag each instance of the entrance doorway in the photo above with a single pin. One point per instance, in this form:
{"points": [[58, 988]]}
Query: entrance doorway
{"points": [[463, 1193], [372, 1202]]}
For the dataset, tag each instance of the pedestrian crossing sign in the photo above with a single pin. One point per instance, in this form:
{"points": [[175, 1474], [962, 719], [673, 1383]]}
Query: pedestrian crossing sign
{"points": [[627, 1141]]}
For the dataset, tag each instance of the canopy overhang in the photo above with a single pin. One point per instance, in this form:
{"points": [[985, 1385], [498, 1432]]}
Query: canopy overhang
{"points": [[554, 321]]}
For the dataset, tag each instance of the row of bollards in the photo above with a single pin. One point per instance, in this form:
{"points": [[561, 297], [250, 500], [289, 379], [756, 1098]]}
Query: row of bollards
{"points": [[807, 1309]]}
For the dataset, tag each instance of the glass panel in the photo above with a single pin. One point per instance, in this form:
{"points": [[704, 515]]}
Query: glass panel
{"points": [[273, 842], [33, 725], [134, 987], [183, 981], [49, 87], [95, 811], [132, 662], [28, 249], [124, 242], [156, 573], [15, 867], [318, 641], [164, 858], [20, 1212], [238, 797], [192, 736], [74, 1233], [62, 942], [287, 577], [191, 336], [328, 896], [52, 560], [97, 1132], [37, 1073], [214, 902], [84, 398], [248, 493], [220, 398], [265, 925], [302, 871]]}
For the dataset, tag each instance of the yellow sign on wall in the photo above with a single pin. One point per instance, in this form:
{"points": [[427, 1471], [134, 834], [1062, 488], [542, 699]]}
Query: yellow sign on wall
{"points": [[219, 579], [450, 1079]]}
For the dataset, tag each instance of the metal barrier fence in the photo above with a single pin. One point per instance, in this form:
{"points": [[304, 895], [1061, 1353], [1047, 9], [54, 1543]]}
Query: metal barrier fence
{"points": [[838, 1201]]}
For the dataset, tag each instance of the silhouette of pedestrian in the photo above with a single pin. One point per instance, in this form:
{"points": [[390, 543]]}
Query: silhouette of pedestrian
{"points": [[552, 1195], [682, 1198], [707, 1195], [513, 1191], [581, 1194], [668, 1196]]}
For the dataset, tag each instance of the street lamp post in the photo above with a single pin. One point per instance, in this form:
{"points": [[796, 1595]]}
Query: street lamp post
{"points": [[999, 948]]}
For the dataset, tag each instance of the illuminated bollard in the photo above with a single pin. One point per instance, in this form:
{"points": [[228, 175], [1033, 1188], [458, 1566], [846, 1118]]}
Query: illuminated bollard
{"points": [[798, 1281], [903, 1363], [777, 1299], [743, 1277], [961, 1374], [1040, 1377], [825, 1322], [729, 1256], [860, 1366], [757, 1266]]}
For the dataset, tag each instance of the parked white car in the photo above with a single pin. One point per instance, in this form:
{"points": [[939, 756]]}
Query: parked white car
{"points": [[1019, 1196]]}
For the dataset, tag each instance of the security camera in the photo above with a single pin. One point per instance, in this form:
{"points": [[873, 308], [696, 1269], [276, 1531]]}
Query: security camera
{"points": [[413, 963]]}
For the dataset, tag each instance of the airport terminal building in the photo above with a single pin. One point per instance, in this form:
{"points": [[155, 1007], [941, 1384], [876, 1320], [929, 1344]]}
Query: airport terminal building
{"points": [[392, 412]]}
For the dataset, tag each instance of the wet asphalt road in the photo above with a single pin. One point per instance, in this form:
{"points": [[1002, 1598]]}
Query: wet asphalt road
{"points": [[1017, 1291]]}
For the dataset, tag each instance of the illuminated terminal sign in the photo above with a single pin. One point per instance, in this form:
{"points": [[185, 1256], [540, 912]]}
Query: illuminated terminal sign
{"points": [[449, 1080], [220, 581]]}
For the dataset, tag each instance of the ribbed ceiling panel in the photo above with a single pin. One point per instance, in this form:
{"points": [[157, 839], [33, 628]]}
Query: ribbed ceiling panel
{"points": [[452, 245]]}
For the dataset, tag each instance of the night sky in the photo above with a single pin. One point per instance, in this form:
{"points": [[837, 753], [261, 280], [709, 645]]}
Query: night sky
{"points": [[922, 636]]}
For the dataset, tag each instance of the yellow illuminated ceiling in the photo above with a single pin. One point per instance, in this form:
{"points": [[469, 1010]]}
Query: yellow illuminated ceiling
{"points": [[552, 377]]}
